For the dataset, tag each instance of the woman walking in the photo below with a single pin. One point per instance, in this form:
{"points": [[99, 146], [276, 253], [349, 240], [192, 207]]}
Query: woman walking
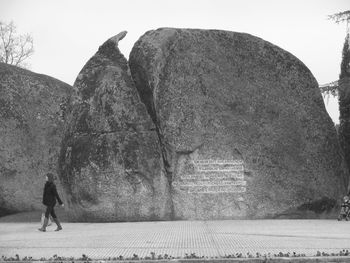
{"points": [[49, 200]]}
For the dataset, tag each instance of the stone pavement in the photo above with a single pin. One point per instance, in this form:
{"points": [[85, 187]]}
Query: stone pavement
{"points": [[175, 238]]}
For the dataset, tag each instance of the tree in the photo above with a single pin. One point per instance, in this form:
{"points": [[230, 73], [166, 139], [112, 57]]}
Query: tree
{"points": [[332, 88], [344, 91], [344, 100], [15, 49], [345, 63]]}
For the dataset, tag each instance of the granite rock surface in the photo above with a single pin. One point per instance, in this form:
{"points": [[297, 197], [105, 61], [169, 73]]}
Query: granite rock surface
{"points": [[242, 126], [110, 162], [32, 113], [199, 124]]}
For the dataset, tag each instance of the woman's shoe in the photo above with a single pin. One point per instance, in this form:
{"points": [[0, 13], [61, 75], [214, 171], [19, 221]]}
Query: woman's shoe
{"points": [[59, 227], [43, 228]]}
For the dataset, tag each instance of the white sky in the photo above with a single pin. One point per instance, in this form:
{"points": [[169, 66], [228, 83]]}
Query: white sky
{"points": [[68, 32]]}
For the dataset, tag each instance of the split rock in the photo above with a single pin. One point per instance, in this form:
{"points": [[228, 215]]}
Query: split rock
{"points": [[110, 164]]}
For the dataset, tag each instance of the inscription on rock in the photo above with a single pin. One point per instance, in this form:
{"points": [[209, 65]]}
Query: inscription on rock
{"points": [[214, 176]]}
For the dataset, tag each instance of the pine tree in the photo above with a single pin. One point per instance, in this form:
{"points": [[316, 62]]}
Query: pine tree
{"points": [[344, 90], [344, 101]]}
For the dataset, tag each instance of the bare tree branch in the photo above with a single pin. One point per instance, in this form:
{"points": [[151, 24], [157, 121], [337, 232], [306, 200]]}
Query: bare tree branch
{"points": [[340, 17], [14, 49]]}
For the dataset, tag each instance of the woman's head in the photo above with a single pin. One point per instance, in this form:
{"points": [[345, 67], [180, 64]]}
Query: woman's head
{"points": [[50, 177]]}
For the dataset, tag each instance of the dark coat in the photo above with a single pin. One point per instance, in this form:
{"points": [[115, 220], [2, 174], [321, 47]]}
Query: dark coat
{"points": [[50, 195]]}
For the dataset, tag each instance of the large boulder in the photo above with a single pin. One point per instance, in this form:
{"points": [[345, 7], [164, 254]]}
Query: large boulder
{"points": [[32, 108], [242, 125], [111, 164]]}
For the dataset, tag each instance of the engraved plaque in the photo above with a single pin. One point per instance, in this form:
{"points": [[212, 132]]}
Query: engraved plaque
{"points": [[214, 176]]}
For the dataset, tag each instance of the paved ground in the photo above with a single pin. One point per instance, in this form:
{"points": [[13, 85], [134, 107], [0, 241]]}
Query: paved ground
{"points": [[205, 238]]}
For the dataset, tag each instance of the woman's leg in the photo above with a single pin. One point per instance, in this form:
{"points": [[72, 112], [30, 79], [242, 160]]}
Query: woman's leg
{"points": [[54, 217], [46, 219], [52, 213], [48, 211]]}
